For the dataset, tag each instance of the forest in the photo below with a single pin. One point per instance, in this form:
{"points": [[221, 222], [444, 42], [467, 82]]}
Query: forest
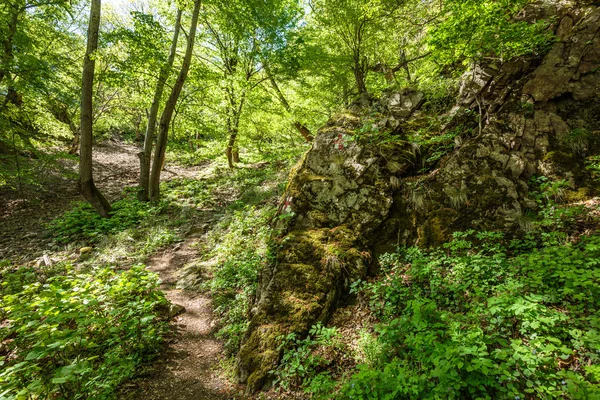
{"points": [[299, 199]]}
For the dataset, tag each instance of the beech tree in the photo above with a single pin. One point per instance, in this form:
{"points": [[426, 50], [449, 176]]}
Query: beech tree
{"points": [[86, 182], [165, 119], [146, 153]]}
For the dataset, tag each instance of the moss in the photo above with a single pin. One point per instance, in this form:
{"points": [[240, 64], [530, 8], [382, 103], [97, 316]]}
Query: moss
{"points": [[307, 177], [259, 355], [434, 231], [576, 196], [320, 218], [563, 160]]}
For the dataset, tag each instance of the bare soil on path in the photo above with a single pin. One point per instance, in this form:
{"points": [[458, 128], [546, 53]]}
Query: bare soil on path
{"points": [[189, 368], [23, 216]]}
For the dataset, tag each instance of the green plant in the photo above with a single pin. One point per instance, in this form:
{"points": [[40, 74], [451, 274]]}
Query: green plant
{"points": [[240, 249], [474, 29], [83, 223], [303, 359], [552, 216], [578, 140], [593, 166], [74, 334], [470, 320]]}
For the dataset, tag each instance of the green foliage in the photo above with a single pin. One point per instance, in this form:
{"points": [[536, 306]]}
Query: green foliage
{"points": [[474, 29], [593, 166], [240, 248], [553, 216], [578, 140], [304, 360], [76, 335], [472, 321], [433, 145], [83, 223]]}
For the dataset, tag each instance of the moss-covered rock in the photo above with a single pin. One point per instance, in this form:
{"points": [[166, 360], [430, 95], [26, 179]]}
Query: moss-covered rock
{"points": [[353, 194]]}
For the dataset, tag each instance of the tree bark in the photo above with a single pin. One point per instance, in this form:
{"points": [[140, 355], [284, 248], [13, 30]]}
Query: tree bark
{"points": [[303, 130], [233, 124], [7, 55], [86, 183], [146, 152], [165, 119]]}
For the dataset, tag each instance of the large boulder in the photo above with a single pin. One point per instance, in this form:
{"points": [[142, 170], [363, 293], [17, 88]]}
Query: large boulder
{"points": [[354, 193]]}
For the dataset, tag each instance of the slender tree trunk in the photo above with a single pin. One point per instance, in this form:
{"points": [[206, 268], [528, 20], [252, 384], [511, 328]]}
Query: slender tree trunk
{"points": [[404, 62], [7, 55], [165, 119], [303, 130], [232, 152], [359, 77], [86, 182], [230, 148], [146, 153], [74, 143]]}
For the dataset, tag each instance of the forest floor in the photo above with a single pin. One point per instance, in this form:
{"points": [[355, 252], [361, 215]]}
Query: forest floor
{"points": [[190, 366], [24, 215]]}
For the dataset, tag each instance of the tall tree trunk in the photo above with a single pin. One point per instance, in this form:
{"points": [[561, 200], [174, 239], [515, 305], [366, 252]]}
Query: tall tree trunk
{"points": [[232, 152], [86, 183], [7, 54], [359, 77], [146, 152], [165, 119], [230, 148], [303, 130]]}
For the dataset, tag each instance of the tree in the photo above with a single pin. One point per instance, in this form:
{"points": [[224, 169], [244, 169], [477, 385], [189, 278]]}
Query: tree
{"points": [[165, 119], [86, 182], [299, 126], [145, 155]]}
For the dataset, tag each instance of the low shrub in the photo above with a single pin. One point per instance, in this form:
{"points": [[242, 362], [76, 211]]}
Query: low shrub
{"points": [[472, 321], [76, 335], [84, 223], [305, 361]]}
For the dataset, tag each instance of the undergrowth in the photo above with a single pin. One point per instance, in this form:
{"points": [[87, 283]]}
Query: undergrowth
{"points": [[82, 222], [239, 247], [481, 317], [473, 320], [73, 334]]}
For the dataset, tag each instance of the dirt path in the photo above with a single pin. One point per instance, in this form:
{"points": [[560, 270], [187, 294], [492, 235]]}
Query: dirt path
{"points": [[189, 368], [23, 220]]}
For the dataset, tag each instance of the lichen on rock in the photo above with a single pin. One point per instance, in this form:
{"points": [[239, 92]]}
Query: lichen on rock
{"points": [[353, 196]]}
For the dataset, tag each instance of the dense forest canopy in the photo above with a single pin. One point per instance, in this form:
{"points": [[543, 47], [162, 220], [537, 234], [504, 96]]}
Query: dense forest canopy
{"points": [[259, 69], [356, 199]]}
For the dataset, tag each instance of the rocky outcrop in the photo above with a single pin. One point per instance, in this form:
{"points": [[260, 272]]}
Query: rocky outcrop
{"points": [[356, 193], [338, 195]]}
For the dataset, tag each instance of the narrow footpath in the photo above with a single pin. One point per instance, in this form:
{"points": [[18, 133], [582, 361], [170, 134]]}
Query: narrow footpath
{"points": [[191, 365]]}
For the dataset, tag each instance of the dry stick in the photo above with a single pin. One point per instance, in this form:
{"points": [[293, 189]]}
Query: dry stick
{"points": [[480, 113], [18, 165], [301, 128]]}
